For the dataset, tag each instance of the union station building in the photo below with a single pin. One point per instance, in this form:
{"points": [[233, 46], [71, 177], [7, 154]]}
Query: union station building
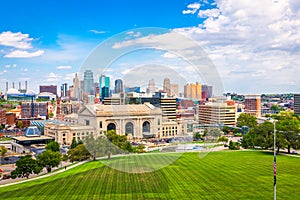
{"points": [[138, 120]]}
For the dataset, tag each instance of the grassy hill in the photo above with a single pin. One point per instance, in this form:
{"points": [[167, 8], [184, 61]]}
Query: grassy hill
{"points": [[219, 175]]}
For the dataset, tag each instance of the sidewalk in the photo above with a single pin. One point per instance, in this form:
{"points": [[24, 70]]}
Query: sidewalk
{"points": [[8, 182]]}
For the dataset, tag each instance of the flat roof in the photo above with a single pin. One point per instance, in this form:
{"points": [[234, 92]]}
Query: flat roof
{"points": [[23, 138]]}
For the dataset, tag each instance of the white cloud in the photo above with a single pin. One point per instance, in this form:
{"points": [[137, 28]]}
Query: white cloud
{"points": [[64, 67], [168, 55], [192, 8], [17, 40], [7, 66], [97, 32], [24, 54], [134, 34]]}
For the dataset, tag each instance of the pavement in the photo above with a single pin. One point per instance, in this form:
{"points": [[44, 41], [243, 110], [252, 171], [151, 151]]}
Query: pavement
{"points": [[9, 182]]}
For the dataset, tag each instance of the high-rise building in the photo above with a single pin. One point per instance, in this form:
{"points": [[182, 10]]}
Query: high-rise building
{"points": [[297, 104], [174, 90], [48, 88], [104, 92], [88, 82], [206, 91], [76, 88], [218, 113], [118, 86], [64, 90], [151, 86], [253, 104], [104, 81], [168, 107], [167, 86], [193, 90], [34, 109]]}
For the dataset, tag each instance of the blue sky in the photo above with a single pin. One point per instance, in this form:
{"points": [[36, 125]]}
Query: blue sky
{"points": [[254, 45]]}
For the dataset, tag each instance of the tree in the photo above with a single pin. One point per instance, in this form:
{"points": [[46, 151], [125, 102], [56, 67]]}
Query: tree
{"points": [[52, 146], [119, 140], [245, 119], [20, 124], [197, 136], [49, 159], [79, 153], [223, 139], [289, 126], [74, 143], [3, 150], [226, 129], [234, 145], [26, 166]]}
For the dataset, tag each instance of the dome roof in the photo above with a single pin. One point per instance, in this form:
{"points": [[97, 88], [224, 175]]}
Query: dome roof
{"points": [[12, 91], [30, 92], [32, 131]]}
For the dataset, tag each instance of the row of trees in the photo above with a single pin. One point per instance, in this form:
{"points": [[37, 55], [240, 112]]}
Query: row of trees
{"points": [[48, 159], [262, 135], [107, 145]]}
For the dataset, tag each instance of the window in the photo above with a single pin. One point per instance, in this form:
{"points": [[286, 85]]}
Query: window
{"points": [[74, 134], [82, 133], [158, 121], [100, 124], [87, 122]]}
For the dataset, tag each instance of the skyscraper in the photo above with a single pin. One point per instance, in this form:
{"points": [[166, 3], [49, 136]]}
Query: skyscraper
{"points": [[76, 87], [104, 81], [206, 91], [118, 86], [193, 91], [151, 86], [297, 104], [167, 86], [64, 90], [88, 82], [253, 104], [174, 90]]}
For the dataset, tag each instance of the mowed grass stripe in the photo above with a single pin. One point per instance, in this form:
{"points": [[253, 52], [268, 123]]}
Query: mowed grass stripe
{"points": [[219, 175]]}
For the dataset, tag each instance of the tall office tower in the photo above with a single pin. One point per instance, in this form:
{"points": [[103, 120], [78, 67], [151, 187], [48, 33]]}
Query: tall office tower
{"points": [[206, 91], [76, 87], [168, 107], [88, 82], [104, 92], [104, 81], [297, 104], [193, 90], [151, 86], [218, 113], [48, 88], [253, 104], [167, 86], [64, 90], [174, 90], [118, 86]]}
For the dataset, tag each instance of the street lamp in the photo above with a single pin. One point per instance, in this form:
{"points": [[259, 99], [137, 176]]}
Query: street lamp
{"points": [[274, 164]]}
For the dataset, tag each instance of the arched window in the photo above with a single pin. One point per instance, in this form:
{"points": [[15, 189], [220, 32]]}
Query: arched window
{"points": [[146, 127], [129, 128], [111, 126]]}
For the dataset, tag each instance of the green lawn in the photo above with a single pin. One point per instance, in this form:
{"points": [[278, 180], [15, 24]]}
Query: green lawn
{"points": [[219, 175]]}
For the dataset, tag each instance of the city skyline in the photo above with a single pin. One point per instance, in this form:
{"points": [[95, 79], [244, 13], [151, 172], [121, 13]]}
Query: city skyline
{"points": [[253, 45]]}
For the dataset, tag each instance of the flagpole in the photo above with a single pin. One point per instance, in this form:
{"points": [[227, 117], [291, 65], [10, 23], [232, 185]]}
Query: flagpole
{"points": [[275, 170]]}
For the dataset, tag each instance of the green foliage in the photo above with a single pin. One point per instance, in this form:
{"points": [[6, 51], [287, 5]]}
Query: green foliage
{"points": [[51, 115], [223, 139], [20, 124], [226, 129], [74, 143], [196, 136], [139, 149], [289, 127], [234, 145], [79, 153], [3, 150], [119, 140], [49, 159], [245, 119], [52, 146], [26, 166]]}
